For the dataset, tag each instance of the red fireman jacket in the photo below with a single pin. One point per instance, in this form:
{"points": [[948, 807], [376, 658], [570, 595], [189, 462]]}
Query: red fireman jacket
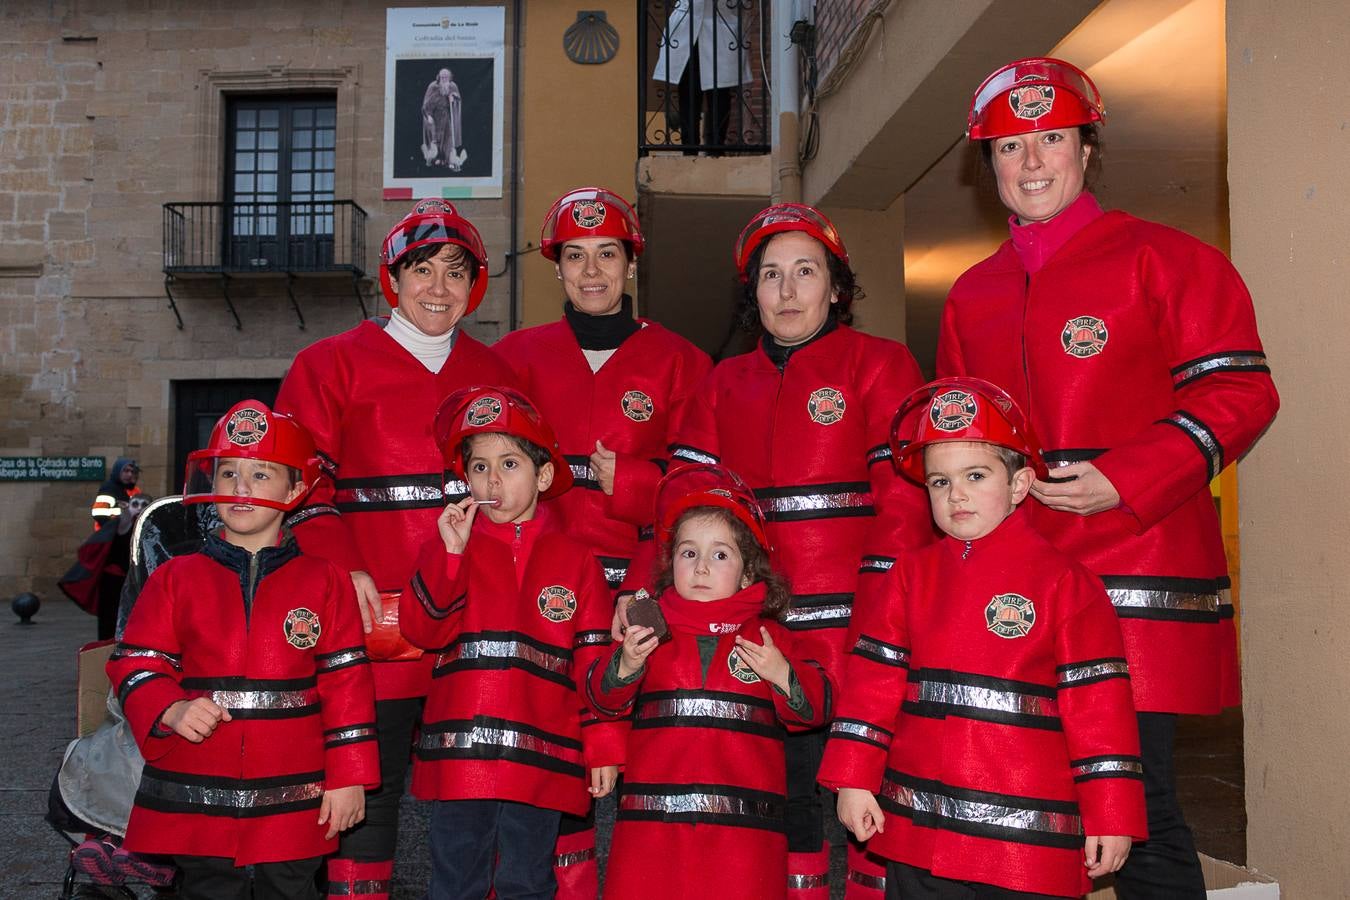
{"points": [[987, 704], [704, 776], [370, 405], [275, 638], [811, 441], [630, 405], [1134, 347], [515, 621]]}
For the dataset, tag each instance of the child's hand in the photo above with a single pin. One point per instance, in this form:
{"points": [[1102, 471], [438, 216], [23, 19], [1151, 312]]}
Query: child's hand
{"points": [[342, 808], [638, 644], [454, 523], [618, 627], [766, 660], [1105, 854], [603, 779], [602, 464], [194, 719], [860, 813]]}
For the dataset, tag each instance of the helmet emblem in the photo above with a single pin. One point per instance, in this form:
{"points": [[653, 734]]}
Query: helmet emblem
{"points": [[588, 213], [433, 205], [637, 406], [302, 628], [1010, 615], [1084, 336], [557, 603], [246, 427], [1032, 101], [739, 670], [483, 411], [953, 411], [826, 406]]}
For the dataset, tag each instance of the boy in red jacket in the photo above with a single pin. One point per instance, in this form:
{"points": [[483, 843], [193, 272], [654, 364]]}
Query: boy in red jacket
{"points": [[244, 677], [986, 723], [517, 611]]}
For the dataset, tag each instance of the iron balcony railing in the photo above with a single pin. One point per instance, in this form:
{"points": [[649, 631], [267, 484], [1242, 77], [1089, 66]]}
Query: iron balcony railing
{"points": [[687, 44], [290, 237]]}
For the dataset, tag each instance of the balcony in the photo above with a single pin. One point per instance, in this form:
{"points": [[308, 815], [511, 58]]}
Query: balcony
{"points": [[289, 239]]}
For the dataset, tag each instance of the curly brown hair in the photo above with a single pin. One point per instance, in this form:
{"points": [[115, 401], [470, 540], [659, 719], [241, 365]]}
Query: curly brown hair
{"points": [[843, 281], [754, 560]]}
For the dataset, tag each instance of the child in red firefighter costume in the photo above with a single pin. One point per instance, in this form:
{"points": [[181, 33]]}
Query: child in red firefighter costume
{"points": [[243, 675], [804, 419], [516, 610], [1133, 349], [985, 724], [612, 385], [369, 397], [704, 776]]}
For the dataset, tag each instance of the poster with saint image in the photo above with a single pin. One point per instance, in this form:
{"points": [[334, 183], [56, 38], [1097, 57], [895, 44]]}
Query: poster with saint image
{"points": [[443, 110]]}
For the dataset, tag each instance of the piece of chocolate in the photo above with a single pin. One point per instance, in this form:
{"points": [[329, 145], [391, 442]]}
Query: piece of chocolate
{"points": [[643, 610]]}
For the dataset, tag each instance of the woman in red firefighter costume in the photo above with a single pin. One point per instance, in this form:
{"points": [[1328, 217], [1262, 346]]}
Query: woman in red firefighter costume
{"points": [[1133, 349], [610, 384], [369, 396], [703, 807], [804, 419]]}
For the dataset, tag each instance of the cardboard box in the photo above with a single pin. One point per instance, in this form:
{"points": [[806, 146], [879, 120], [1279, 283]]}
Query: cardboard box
{"points": [[1223, 881], [92, 687]]}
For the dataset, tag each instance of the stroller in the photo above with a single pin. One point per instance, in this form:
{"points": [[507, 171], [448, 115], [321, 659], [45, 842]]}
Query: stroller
{"points": [[96, 784]]}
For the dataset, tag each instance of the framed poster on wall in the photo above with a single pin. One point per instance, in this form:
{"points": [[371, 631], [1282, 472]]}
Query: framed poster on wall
{"points": [[443, 107]]}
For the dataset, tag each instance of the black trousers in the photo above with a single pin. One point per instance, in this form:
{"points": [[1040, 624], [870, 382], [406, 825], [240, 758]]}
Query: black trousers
{"points": [[482, 845], [218, 878], [375, 839], [805, 810], [1165, 867], [912, 883], [690, 99]]}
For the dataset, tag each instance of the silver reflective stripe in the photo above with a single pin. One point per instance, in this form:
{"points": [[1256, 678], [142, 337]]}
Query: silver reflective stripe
{"points": [[591, 638], [453, 488], [134, 681], [876, 564], [506, 650], [350, 734], [813, 502], [1074, 674], [1221, 362], [1137, 599], [981, 813], [896, 656], [482, 736], [143, 653], [858, 729], [689, 454], [615, 574], [707, 708], [364, 886], [807, 882], [403, 493], [875, 882], [1204, 437], [233, 798], [1132, 766], [981, 698], [694, 802], [338, 660], [817, 613], [878, 454], [582, 471], [265, 699], [310, 512], [571, 859]]}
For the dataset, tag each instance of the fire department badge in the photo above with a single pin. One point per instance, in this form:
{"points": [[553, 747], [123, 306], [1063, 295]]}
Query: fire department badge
{"points": [[953, 410], [1033, 100], [433, 205], [1010, 615], [1084, 336], [826, 406], [557, 603], [739, 670], [246, 427], [637, 406], [483, 411], [588, 213], [302, 628]]}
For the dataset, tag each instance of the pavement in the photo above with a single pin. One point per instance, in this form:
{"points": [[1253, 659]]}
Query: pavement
{"points": [[37, 709]]}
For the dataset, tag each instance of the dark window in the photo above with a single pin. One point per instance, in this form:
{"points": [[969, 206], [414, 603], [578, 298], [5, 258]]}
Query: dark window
{"points": [[279, 184], [198, 405]]}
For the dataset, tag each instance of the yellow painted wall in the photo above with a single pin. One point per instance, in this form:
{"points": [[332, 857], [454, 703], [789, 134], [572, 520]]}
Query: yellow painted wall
{"points": [[578, 127]]}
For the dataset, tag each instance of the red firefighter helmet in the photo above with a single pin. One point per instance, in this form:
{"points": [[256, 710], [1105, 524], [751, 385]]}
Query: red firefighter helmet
{"points": [[496, 410], [589, 212], [707, 485], [786, 217], [251, 431], [960, 409], [1035, 94], [433, 221]]}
